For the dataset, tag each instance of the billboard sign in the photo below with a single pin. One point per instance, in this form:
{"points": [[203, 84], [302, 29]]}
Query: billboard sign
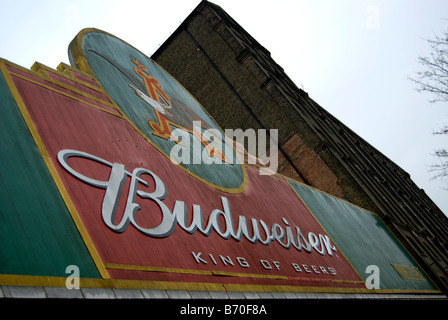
{"points": [[104, 135]]}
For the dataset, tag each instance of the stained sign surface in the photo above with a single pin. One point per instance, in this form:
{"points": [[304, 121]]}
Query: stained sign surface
{"points": [[104, 134]]}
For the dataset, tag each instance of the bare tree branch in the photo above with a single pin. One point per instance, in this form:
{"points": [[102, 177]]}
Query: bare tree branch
{"points": [[435, 77], [434, 80]]}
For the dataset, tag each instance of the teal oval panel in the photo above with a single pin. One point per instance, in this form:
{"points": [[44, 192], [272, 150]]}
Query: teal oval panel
{"points": [[161, 109]]}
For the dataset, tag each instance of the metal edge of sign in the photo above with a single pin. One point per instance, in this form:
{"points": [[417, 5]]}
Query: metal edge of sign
{"points": [[76, 53], [50, 166]]}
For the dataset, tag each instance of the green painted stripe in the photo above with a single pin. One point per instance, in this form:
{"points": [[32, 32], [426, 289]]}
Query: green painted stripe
{"points": [[363, 238], [37, 233]]}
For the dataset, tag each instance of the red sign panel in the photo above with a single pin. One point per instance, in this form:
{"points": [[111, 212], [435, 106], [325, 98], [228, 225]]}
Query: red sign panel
{"points": [[152, 220]]}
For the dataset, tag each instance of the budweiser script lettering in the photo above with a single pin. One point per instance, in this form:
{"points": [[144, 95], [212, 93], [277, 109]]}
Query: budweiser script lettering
{"points": [[286, 236]]}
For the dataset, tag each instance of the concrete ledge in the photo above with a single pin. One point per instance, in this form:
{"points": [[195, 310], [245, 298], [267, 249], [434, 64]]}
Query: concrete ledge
{"points": [[98, 293], [23, 292], [128, 294], [155, 294], [61, 292], [28, 292]]}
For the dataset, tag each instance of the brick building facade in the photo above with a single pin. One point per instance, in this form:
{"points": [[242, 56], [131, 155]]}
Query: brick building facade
{"points": [[241, 86]]}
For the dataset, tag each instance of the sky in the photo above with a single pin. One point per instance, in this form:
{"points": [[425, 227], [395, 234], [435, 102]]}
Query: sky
{"points": [[353, 57]]}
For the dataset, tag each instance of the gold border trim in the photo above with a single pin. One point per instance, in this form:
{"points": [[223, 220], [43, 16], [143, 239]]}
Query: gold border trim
{"points": [[63, 93], [192, 271]]}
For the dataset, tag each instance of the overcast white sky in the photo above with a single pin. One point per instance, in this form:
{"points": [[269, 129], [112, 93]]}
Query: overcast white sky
{"points": [[351, 56]]}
